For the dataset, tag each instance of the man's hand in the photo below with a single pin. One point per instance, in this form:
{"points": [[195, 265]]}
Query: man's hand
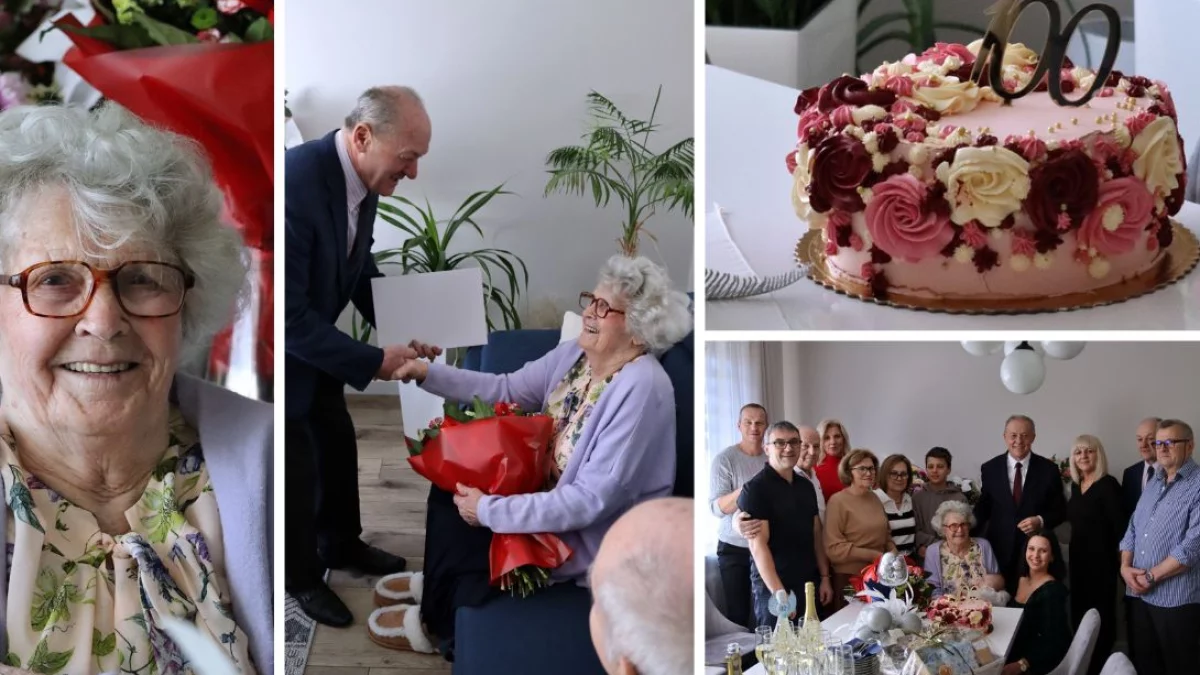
{"points": [[825, 594], [746, 526], [425, 351], [394, 356], [467, 501], [413, 369], [1030, 526], [1135, 579]]}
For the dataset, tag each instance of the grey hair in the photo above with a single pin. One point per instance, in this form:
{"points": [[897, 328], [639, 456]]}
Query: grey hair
{"points": [[952, 506], [1022, 418], [656, 315], [648, 618], [1167, 424], [127, 183], [380, 107], [781, 425]]}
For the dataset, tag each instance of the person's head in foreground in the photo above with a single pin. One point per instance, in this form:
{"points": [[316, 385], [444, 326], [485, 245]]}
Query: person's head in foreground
{"points": [[783, 446], [1019, 433], [1042, 558], [641, 581], [633, 310], [386, 134], [752, 424], [810, 447], [116, 269], [1088, 460], [1145, 438], [858, 470], [937, 465], [954, 520], [1174, 444], [834, 439]]}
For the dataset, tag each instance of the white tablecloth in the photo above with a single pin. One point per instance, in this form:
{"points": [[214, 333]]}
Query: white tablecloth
{"points": [[750, 129], [1005, 621]]}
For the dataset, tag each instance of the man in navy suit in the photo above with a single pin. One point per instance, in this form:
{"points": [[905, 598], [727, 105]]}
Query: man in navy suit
{"points": [[1135, 477], [1022, 494], [332, 190]]}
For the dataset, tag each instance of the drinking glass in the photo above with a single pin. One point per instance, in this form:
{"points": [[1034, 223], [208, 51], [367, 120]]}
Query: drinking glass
{"points": [[764, 648]]}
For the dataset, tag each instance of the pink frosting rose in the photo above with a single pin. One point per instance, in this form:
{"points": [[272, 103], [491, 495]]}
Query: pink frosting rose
{"points": [[900, 225], [1136, 205]]}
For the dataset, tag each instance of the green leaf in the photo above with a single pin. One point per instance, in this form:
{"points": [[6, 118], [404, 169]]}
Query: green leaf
{"points": [[260, 30], [21, 501], [53, 549], [878, 22], [163, 33], [69, 567], [482, 410], [11, 659], [205, 18], [121, 37], [103, 646]]}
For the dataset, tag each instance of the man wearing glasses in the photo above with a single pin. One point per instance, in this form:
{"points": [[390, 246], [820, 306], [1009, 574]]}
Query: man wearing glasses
{"points": [[1021, 495], [1160, 558], [789, 549]]}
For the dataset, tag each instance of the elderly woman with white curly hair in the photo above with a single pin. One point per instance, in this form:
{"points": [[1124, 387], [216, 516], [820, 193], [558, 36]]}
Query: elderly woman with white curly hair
{"points": [[961, 563], [131, 490], [613, 447]]}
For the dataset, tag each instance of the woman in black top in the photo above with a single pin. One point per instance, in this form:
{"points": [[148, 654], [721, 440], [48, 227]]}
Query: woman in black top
{"points": [[1098, 521], [788, 549], [1044, 637]]}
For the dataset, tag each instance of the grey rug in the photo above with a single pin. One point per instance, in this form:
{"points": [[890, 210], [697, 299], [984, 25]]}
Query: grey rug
{"points": [[297, 635]]}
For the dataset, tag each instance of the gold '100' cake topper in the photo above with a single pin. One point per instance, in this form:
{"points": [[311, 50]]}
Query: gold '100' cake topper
{"points": [[995, 41]]}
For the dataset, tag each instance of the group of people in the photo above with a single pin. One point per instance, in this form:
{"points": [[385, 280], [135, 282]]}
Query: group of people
{"points": [[614, 445], [798, 504]]}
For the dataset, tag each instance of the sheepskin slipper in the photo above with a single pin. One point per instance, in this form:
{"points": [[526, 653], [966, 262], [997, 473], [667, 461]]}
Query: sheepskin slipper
{"points": [[398, 588], [399, 627]]}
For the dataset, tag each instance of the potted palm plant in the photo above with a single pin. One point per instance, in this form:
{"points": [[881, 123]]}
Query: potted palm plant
{"points": [[796, 43], [615, 159], [427, 245]]}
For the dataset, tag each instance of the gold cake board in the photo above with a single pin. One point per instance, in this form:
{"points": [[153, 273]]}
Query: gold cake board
{"points": [[1181, 258]]}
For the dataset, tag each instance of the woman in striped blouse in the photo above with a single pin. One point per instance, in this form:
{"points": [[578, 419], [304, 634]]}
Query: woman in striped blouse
{"points": [[895, 478]]}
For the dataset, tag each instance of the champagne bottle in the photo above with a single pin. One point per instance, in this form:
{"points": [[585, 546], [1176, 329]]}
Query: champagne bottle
{"points": [[733, 659], [812, 625]]}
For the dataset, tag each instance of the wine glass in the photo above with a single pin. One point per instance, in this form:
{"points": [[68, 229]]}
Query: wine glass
{"points": [[764, 648]]}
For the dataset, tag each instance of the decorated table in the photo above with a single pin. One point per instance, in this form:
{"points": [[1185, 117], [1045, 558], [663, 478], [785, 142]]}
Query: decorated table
{"points": [[750, 127], [1005, 622]]}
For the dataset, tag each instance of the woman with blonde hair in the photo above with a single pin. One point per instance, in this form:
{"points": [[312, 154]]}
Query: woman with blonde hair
{"points": [[856, 526], [834, 441], [1098, 521]]}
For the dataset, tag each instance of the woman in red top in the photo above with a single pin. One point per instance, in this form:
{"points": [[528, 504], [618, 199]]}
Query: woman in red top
{"points": [[834, 441]]}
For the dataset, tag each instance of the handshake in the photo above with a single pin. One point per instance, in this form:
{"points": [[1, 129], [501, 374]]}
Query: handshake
{"points": [[404, 362]]}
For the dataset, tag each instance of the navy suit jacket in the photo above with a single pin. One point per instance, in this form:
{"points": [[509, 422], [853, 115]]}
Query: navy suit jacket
{"points": [[1131, 486], [322, 278], [997, 514]]}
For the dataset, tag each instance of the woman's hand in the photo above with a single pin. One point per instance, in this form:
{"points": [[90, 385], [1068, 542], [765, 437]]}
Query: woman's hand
{"points": [[746, 526], [425, 351], [413, 369], [826, 592], [467, 501]]}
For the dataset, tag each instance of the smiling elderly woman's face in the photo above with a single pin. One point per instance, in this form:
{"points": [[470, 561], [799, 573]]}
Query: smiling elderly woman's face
{"points": [[604, 327], [99, 368]]}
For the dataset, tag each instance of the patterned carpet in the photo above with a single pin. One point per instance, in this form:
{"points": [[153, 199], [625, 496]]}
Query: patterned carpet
{"points": [[298, 633]]}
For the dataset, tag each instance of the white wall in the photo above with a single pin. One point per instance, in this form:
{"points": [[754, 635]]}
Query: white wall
{"points": [[1168, 49], [909, 397], [505, 83]]}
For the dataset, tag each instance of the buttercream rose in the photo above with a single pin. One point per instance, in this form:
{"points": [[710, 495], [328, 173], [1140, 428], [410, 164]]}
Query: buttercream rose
{"points": [[840, 164], [1066, 183], [900, 225], [1159, 161], [847, 90], [948, 96], [801, 177], [986, 184], [1119, 219]]}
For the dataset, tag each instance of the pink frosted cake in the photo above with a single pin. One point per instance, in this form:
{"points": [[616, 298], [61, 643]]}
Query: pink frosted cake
{"points": [[963, 612], [924, 184]]}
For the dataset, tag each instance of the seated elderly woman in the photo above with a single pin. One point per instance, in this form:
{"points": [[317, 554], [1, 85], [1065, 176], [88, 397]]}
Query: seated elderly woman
{"points": [[131, 489], [613, 447], [960, 562]]}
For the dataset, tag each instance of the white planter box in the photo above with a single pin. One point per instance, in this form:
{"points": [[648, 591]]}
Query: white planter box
{"points": [[821, 51]]}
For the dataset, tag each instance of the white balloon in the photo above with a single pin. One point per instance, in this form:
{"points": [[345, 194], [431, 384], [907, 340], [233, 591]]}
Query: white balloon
{"points": [[982, 348], [1010, 346], [1022, 371], [1063, 350]]}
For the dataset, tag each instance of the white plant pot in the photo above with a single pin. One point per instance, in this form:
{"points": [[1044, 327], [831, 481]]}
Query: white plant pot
{"points": [[821, 51]]}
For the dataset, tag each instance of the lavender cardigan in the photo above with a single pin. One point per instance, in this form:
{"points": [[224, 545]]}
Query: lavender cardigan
{"points": [[237, 436], [625, 454]]}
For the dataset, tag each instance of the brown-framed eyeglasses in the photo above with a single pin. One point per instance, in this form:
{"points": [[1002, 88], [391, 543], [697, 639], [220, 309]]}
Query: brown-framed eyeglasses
{"points": [[59, 289], [602, 307]]}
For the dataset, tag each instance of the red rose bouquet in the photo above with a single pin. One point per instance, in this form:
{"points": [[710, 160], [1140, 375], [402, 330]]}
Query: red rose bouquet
{"points": [[202, 69], [500, 450]]}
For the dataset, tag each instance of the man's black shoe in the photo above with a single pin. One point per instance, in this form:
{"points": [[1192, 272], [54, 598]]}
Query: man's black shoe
{"points": [[365, 559], [323, 605]]}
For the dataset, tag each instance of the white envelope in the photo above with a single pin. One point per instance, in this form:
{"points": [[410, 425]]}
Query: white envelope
{"points": [[439, 308]]}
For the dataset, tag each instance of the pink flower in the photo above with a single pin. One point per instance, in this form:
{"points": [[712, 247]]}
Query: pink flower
{"points": [[941, 51], [902, 85], [1121, 215], [973, 236], [842, 116], [856, 242], [831, 247], [812, 124], [899, 223], [1032, 148], [230, 6], [1023, 244], [14, 90], [914, 137], [1139, 122], [210, 35], [946, 130]]}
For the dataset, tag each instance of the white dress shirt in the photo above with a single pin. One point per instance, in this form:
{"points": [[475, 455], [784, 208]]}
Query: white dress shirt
{"points": [[1152, 465], [356, 191], [1012, 475], [816, 488]]}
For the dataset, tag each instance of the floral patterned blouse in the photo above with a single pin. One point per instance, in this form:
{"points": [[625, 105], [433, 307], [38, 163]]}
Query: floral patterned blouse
{"points": [[83, 602], [962, 573], [570, 404]]}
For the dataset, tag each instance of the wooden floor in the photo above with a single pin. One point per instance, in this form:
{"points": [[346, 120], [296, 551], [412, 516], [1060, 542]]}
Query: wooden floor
{"points": [[393, 518]]}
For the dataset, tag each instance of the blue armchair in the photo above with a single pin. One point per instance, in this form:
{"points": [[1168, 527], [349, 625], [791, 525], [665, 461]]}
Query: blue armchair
{"points": [[502, 636]]}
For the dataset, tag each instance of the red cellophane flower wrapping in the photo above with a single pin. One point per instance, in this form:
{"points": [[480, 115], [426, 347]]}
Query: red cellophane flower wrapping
{"points": [[501, 451], [220, 94]]}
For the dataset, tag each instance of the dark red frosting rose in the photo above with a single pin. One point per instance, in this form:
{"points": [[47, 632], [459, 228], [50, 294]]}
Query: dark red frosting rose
{"points": [[847, 90], [840, 165], [1067, 182], [806, 100]]}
